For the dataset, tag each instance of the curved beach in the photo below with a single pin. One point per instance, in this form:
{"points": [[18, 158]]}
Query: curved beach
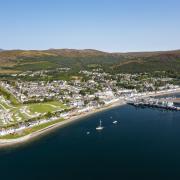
{"points": [[9, 142]]}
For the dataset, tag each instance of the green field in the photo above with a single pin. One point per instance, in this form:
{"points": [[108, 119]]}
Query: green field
{"points": [[8, 96], [46, 107], [21, 113]]}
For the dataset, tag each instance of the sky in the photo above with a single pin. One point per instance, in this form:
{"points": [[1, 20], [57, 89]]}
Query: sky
{"points": [[107, 25]]}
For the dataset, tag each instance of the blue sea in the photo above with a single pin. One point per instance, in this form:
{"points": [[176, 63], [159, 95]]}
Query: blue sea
{"points": [[144, 144]]}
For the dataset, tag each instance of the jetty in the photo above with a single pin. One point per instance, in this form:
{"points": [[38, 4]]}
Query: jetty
{"points": [[162, 103]]}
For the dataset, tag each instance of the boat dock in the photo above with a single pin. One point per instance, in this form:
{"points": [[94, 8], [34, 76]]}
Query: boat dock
{"points": [[163, 103]]}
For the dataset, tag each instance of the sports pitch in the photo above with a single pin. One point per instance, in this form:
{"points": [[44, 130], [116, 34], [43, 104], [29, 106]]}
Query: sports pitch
{"points": [[11, 114]]}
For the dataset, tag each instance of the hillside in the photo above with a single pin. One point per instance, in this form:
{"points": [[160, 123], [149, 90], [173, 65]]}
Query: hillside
{"points": [[22, 60]]}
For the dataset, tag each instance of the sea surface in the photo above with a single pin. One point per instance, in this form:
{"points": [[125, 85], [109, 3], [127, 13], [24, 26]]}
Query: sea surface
{"points": [[144, 144]]}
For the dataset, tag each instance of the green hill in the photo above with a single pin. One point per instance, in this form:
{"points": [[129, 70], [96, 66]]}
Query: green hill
{"points": [[21, 60]]}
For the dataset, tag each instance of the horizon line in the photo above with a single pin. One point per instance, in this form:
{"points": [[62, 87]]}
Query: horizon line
{"points": [[79, 49]]}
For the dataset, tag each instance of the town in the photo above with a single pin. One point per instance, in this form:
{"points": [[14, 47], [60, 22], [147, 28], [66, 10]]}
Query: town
{"points": [[29, 103]]}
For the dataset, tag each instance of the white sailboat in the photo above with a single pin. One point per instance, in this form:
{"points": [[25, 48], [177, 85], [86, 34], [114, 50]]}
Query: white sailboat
{"points": [[115, 122], [100, 127]]}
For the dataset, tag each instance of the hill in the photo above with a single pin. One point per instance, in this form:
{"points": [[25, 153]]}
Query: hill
{"points": [[23, 60]]}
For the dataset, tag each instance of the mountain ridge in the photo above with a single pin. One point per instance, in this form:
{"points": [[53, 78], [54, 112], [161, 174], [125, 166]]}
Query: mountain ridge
{"points": [[22, 60]]}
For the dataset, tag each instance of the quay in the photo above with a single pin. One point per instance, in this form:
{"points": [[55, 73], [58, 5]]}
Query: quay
{"points": [[163, 103]]}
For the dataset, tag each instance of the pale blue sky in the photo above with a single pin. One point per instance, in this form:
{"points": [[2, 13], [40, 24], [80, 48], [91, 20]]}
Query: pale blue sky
{"points": [[109, 25]]}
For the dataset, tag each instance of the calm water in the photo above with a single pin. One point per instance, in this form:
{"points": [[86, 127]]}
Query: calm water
{"points": [[145, 144]]}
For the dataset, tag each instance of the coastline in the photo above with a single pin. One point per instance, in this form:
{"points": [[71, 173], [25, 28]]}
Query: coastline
{"points": [[9, 142], [33, 135]]}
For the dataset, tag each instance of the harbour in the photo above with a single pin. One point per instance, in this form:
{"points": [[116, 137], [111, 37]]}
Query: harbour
{"points": [[144, 144], [162, 103]]}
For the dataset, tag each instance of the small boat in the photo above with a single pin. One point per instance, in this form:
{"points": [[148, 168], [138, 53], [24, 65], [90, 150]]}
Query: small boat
{"points": [[100, 127], [115, 122], [87, 132]]}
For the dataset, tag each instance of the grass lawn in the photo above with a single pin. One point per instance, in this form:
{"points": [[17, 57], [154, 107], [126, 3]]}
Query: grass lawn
{"points": [[21, 112], [46, 107], [9, 96], [30, 130]]}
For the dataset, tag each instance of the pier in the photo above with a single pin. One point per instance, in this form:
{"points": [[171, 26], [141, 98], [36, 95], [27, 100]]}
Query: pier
{"points": [[163, 103]]}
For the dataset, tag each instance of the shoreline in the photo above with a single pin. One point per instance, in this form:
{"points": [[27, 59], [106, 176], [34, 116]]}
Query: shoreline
{"points": [[23, 139], [9, 142]]}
